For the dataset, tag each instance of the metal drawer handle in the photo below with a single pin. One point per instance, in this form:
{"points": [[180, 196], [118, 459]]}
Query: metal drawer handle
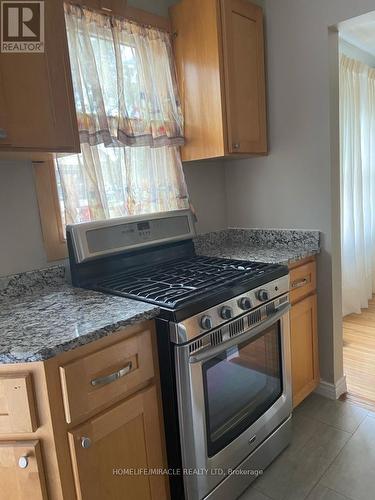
{"points": [[299, 283], [236, 145], [113, 376], [3, 134]]}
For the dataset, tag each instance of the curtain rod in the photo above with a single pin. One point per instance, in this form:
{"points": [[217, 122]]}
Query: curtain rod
{"points": [[110, 14]]}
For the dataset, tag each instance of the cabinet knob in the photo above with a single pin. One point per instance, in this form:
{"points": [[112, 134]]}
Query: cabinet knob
{"points": [[236, 145], [3, 134], [85, 442], [23, 462]]}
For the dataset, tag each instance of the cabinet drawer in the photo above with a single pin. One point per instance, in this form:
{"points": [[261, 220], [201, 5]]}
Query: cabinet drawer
{"points": [[17, 405], [96, 380], [302, 281]]}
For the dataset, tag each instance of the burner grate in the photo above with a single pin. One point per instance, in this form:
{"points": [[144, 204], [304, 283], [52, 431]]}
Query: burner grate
{"points": [[173, 283]]}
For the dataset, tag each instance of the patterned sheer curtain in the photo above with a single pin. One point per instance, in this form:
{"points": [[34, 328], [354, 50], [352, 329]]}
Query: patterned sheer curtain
{"points": [[357, 129], [129, 119]]}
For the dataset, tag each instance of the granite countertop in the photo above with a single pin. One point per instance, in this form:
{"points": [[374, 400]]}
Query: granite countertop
{"points": [[276, 246], [42, 316]]}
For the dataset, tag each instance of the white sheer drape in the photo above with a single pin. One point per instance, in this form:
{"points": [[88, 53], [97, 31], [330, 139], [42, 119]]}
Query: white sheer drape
{"points": [[357, 130], [129, 121]]}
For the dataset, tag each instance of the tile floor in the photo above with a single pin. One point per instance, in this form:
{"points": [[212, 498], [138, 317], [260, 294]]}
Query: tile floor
{"points": [[331, 457]]}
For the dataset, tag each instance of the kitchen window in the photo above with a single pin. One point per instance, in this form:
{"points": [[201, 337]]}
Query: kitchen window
{"points": [[129, 120]]}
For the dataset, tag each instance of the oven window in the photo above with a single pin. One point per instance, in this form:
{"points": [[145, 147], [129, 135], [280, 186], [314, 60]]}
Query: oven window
{"points": [[240, 384]]}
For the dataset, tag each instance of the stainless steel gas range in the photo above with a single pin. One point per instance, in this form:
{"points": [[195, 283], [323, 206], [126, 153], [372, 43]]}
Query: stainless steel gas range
{"points": [[223, 341]]}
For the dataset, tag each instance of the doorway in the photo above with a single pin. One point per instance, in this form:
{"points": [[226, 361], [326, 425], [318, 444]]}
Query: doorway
{"points": [[357, 169]]}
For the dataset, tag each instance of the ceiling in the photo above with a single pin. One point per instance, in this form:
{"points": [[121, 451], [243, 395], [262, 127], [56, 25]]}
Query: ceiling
{"points": [[360, 31]]}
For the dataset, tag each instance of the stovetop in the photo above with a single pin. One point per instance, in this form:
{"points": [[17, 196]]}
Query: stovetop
{"points": [[176, 284], [152, 258]]}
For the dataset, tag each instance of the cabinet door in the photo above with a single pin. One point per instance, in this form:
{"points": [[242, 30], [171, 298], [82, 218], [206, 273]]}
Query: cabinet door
{"points": [[21, 471], [243, 48], [198, 61], [4, 124], [304, 348], [38, 94], [110, 451]]}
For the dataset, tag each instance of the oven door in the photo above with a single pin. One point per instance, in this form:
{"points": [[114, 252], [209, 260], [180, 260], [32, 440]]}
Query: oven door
{"points": [[231, 396]]}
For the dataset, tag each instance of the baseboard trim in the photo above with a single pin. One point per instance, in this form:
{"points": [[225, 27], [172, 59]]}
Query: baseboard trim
{"points": [[332, 391]]}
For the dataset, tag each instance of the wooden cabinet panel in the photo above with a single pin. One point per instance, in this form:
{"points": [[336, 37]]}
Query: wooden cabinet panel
{"points": [[19, 483], [17, 405], [219, 51], [98, 379], [4, 124], [302, 281], [304, 348], [38, 94], [243, 48], [198, 60], [123, 438]]}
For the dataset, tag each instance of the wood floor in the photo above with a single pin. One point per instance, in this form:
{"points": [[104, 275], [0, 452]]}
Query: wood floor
{"points": [[359, 356]]}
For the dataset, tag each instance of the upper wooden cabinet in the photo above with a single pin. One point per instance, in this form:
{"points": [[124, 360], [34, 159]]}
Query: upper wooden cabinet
{"points": [[219, 50], [37, 111]]}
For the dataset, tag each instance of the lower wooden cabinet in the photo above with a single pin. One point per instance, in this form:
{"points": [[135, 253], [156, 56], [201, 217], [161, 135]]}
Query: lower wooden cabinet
{"points": [[304, 348], [21, 471], [113, 452], [17, 406], [94, 415]]}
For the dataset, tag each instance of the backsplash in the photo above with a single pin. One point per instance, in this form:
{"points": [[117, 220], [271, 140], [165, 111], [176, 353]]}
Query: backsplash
{"points": [[31, 282], [267, 238]]}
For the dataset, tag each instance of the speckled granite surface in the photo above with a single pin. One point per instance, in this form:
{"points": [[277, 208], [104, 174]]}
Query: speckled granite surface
{"points": [[31, 282], [280, 246], [42, 316]]}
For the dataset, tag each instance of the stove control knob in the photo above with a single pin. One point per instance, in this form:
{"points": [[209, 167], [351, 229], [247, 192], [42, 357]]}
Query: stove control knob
{"points": [[262, 295], [226, 312], [206, 322], [245, 303]]}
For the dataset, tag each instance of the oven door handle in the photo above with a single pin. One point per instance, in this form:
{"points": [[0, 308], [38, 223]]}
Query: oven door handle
{"points": [[247, 335]]}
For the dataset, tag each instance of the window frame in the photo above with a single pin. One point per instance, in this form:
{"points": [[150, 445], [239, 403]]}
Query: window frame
{"points": [[44, 165], [49, 209]]}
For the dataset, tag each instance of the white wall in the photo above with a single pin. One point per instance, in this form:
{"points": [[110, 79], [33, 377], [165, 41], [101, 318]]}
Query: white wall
{"points": [[159, 7], [206, 184], [292, 186], [21, 244]]}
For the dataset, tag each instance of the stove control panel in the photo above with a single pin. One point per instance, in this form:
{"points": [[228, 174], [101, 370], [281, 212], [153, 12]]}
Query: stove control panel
{"points": [[231, 309], [91, 240]]}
